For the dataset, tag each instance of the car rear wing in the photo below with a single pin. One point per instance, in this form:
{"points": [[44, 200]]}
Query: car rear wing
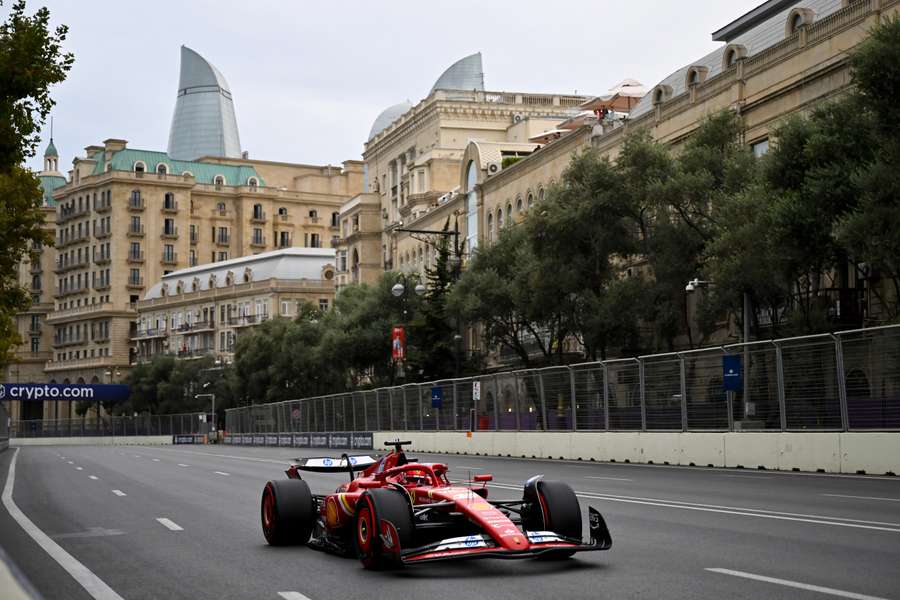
{"points": [[327, 464]]}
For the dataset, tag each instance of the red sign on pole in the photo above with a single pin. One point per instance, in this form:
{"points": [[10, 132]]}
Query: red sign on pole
{"points": [[398, 343]]}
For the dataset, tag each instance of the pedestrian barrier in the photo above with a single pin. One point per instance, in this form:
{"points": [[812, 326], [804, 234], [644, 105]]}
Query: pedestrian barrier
{"points": [[846, 381]]}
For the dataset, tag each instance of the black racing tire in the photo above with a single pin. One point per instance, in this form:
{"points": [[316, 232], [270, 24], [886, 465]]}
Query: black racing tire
{"points": [[552, 506], [373, 507], [287, 512]]}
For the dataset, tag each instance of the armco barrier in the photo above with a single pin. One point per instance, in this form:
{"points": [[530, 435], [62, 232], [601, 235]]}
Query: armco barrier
{"points": [[105, 440], [337, 440], [835, 452]]}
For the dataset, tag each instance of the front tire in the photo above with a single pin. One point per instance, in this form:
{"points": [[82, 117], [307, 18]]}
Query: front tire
{"points": [[287, 512], [383, 527], [552, 506]]}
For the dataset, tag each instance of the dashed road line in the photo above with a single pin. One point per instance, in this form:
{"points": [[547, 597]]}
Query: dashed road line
{"points": [[609, 478], [293, 596], [155, 460], [79, 468], [183, 465], [221, 473], [168, 523], [795, 584], [71, 462], [94, 477], [119, 493], [94, 586]]}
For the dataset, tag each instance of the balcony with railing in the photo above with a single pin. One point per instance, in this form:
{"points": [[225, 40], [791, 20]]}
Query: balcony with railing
{"points": [[136, 201], [63, 264], [170, 206], [103, 231], [145, 334], [135, 256], [169, 258], [135, 230], [170, 232], [223, 240], [67, 214], [68, 240], [101, 258], [79, 313], [258, 241], [134, 282], [258, 216], [101, 284], [247, 320], [195, 237], [102, 205]]}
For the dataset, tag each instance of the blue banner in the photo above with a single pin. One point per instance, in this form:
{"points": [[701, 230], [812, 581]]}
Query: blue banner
{"points": [[93, 392], [437, 397], [732, 373]]}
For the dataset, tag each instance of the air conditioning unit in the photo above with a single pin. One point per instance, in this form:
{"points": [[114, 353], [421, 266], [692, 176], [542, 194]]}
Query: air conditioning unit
{"points": [[518, 117], [493, 168]]}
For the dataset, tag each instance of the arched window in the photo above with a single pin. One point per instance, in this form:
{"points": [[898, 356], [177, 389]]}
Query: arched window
{"points": [[162, 169], [257, 211], [796, 19], [519, 204], [139, 166], [220, 207], [509, 219], [219, 181], [229, 278], [179, 289], [187, 174], [313, 214], [248, 275], [471, 205], [540, 197], [253, 182], [661, 93], [490, 227], [695, 75], [499, 220], [282, 211]]}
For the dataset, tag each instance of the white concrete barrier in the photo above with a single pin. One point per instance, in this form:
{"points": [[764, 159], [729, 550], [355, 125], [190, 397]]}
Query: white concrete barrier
{"points": [[874, 453], [134, 440]]}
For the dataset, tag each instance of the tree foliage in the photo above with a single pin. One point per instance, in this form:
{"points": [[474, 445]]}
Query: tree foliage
{"points": [[31, 61]]}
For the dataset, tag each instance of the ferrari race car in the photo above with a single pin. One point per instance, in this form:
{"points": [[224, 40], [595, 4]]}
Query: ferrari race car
{"points": [[398, 511]]}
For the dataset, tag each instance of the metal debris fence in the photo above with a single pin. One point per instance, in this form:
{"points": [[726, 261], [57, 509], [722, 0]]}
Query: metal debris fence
{"points": [[181, 424], [831, 382]]}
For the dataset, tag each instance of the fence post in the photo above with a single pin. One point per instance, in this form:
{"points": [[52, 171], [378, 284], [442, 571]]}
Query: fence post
{"points": [[842, 382], [540, 379], [496, 403], [605, 396], [683, 377], [419, 403], [641, 389], [456, 405], [779, 377], [516, 401], [572, 395]]}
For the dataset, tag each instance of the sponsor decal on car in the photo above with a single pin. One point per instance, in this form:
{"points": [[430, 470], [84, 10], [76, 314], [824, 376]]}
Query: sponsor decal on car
{"points": [[461, 543], [539, 537]]}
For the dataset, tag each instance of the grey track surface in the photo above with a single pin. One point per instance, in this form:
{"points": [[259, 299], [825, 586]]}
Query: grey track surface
{"points": [[659, 551]]}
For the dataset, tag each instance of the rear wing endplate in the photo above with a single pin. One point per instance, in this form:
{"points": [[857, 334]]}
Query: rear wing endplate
{"points": [[326, 464]]}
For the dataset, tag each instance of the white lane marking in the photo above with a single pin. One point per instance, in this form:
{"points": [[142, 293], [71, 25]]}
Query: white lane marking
{"points": [[610, 478], [740, 511], [293, 596], [84, 576], [170, 524], [155, 460], [79, 468], [119, 493], [71, 462], [796, 584], [94, 477], [862, 497], [221, 473], [183, 465], [747, 476]]}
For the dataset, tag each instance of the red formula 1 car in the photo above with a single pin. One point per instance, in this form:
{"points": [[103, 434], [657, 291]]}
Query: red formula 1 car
{"points": [[399, 511]]}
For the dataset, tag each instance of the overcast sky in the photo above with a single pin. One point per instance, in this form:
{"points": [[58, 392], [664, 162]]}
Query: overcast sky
{"points": [[309, 78]]}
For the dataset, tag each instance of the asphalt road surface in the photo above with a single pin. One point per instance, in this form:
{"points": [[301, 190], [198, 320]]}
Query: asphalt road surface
{"points": [[183, 522]]}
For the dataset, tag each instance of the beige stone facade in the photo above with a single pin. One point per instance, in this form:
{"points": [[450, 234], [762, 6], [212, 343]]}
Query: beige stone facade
{"points": [[200, 311], [125, 218]]}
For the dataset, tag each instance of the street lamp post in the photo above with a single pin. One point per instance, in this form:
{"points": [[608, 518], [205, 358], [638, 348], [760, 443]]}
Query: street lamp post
{"points": [[212, 397], [109, 373], [695, 283], [402, 291]]}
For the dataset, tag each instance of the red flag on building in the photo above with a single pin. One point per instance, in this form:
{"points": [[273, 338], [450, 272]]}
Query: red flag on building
{"points": [[398, 343]]}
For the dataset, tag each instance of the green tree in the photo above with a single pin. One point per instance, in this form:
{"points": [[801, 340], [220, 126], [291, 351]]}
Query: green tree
{"points": [[31, 61]]}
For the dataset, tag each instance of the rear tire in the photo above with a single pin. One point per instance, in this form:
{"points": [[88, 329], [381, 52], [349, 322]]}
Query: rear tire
{"points": [[287, 512], [552, 506], [376, 545]]}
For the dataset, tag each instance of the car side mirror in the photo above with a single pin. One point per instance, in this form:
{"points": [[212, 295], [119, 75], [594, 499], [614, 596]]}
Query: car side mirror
{"points": [[483, 478]]}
